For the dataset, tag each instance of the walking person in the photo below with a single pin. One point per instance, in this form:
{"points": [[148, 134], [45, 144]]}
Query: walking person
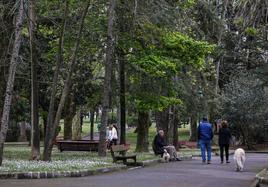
{"points": [[112, 136], [224, 141], [205, 136]]}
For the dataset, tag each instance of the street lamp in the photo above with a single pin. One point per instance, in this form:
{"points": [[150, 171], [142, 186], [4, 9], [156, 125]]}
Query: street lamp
{"points": [[200, 96]]}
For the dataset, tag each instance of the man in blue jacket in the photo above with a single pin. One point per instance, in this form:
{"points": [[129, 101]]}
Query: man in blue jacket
{"points": [[205, 135]]}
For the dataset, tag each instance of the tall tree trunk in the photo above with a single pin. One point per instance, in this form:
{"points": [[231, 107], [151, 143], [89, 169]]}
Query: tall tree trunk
{"points": [[45, 126], [175, 129], [68, 119], [11, 79], [162, 121], [92, 115], [122, 99], [170, 130], [52, 130], [81, 121], [22, 137], [35, 132], [193, 129], [50, 117], [77, 126], [7, 29], [107, 79], [143, 131]]}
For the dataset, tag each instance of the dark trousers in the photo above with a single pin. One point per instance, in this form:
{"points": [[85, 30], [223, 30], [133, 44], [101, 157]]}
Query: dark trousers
{"points": [[111, 143], [225, 148]]}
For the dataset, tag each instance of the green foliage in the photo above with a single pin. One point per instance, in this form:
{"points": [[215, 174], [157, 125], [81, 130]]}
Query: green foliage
{"points": [[163, 58], [187, 3], [155, 102], [170, 53], [250, 31]]}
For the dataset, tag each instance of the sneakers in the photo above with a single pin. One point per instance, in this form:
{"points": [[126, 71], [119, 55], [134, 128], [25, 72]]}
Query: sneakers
{"points": [[227, 162], [208, 162]]}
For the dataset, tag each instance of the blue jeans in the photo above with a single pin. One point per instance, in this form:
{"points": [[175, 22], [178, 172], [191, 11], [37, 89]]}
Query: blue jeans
{"points": [[205, 145]]}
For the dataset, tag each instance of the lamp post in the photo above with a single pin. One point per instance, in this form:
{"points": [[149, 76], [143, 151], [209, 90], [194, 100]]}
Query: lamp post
{"points": [[200, 96]]}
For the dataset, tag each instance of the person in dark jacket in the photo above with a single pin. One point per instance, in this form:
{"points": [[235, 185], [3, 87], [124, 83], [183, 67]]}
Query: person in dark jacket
{"points": [[205, 136], [159, 145], [224, 141]]}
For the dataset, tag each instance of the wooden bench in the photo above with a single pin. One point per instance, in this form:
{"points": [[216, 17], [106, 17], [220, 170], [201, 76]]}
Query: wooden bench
{"points": [[118, 152], [78, 145]]}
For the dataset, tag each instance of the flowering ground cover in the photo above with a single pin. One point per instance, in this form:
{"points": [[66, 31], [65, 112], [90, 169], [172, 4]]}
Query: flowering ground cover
{"points": [[57, 165], [16, 159]]}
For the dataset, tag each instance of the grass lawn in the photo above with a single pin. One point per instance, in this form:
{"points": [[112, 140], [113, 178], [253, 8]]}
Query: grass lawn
{"points": [[85, 127]]}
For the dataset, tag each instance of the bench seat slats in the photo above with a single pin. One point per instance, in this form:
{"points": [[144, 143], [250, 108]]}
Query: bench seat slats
{"points": [[121, 149]]}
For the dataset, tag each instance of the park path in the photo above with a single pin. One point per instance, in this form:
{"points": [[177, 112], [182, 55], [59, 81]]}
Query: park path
{"points": [[177, 174]]}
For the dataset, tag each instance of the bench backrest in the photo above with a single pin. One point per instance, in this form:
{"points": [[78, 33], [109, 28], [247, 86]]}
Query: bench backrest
{"points": [[119, 148]]}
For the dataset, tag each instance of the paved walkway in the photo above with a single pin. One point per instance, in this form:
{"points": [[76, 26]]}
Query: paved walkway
{"points": [[177, 174]]}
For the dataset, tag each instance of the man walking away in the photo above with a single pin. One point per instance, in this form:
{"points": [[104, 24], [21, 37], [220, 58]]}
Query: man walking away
{"points": [[205, 135]]}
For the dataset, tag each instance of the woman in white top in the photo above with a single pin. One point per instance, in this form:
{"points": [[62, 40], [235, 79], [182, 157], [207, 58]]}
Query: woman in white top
{"points": [[112, 135]]}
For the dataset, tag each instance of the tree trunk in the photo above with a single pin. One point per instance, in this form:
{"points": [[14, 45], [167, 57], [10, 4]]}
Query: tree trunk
{"points": [[52, 130], [81, 121], [77, 126], [142, 132], [22, 137], [175, 129], [162, 122], [107, 79], [44, 117], [35, 132], [97, 114], [122, 99], [11, 79], [170, 130], [50, 117], [68, 119], [193, 129], [92, 115]]}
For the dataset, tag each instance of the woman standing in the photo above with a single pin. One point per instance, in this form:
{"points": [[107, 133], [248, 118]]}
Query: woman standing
{"points": [[224, 141]]}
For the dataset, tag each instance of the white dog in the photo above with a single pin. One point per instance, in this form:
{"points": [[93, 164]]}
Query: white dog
{"points": [[239, 159], [166, 156]]}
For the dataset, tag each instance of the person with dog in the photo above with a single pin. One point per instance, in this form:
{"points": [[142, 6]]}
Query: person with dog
{"points": [[205, 136], [224, 141], [160, 146]]}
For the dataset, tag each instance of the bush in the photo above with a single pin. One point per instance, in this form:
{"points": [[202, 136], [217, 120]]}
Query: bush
{"points": [[245, 107]]}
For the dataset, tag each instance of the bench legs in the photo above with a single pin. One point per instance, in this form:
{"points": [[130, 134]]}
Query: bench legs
{"points": [[125, 160]]}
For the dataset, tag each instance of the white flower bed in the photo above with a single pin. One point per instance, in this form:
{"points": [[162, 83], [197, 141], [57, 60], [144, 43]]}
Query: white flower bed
{"points": [[58, 165]]}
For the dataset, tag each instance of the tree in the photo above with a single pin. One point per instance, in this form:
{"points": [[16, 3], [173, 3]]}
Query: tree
{"points": [[107, 78], [160, 62], [52, 127], [244, 105], [50, 117], [35, 134], [11, 77]]}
